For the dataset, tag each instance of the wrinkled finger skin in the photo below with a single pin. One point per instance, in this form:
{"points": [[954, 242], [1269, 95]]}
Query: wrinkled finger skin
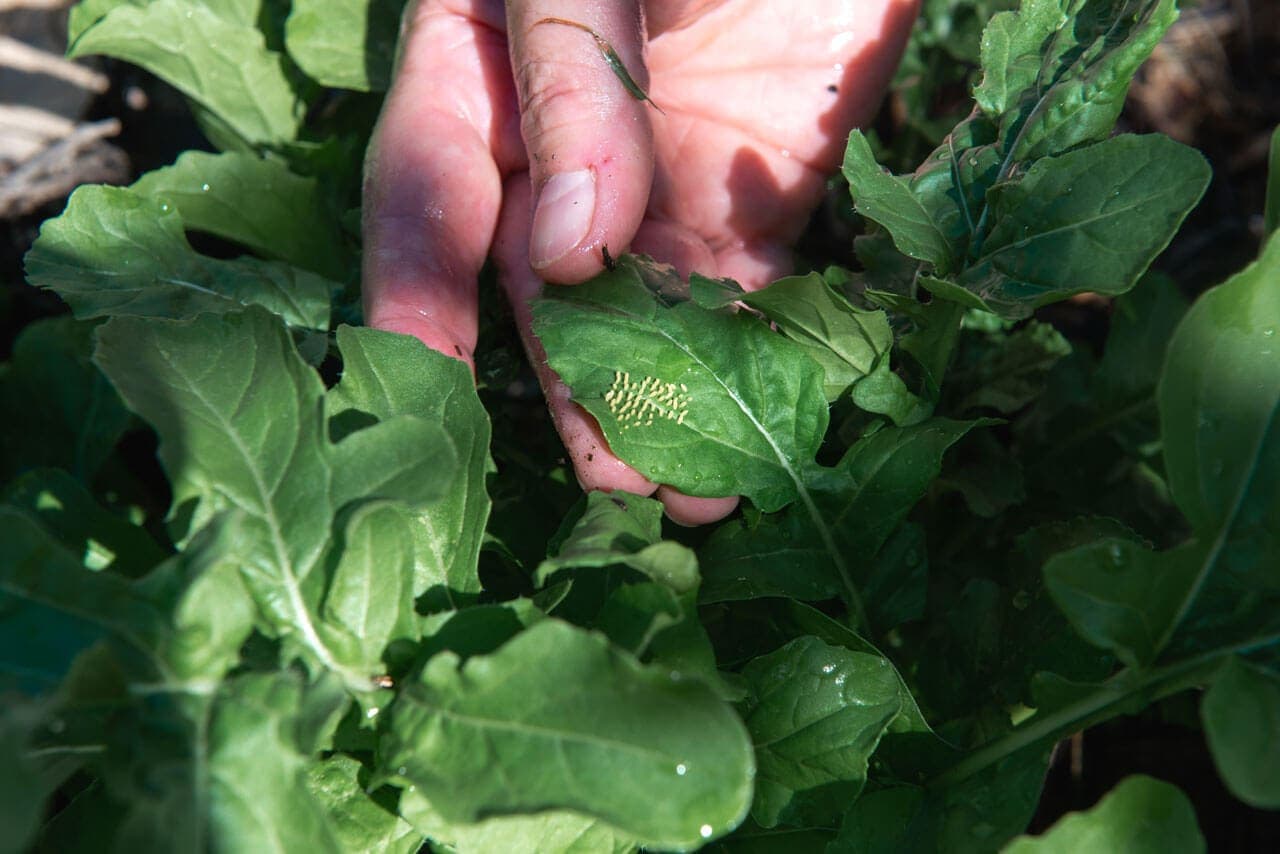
{"points": [[508, 134]]}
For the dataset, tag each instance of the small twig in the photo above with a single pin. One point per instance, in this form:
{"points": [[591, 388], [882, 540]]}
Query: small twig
{"points": [[23, 57], [52, 172]]}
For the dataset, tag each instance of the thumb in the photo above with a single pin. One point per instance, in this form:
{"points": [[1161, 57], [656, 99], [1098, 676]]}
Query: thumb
{"points": [[588, 136]]}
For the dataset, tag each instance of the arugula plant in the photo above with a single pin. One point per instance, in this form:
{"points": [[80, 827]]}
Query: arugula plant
{"points": [[339, 623]]}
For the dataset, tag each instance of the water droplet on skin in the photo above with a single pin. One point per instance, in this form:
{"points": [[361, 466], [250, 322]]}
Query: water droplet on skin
{"points": [[706, 831], [786, 152], [682, 769]]}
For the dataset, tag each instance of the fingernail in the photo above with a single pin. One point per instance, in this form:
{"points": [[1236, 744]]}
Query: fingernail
{"points": [[563, 216]]}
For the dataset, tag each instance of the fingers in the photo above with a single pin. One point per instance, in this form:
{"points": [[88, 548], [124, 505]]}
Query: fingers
{"points": [[432, 185], [593, 462], [589, 141], [595, 465]]}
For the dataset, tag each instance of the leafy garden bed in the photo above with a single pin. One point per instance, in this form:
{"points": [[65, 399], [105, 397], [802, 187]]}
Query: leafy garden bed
{"points": [[363, 610]]}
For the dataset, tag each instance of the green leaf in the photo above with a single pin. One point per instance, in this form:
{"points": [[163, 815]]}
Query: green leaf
{"points": [[1089, 220], [347, 45], [1005, 372], [387, 375], [255, 202], [59, 409], [883, 392], [223, 65], [888, 200], [360, 820], [1057, 71], [116, 252], [555, 719], [1241, 713], [552, 831], [241, 424], [709, 402], [258, 771], [846, 341], [870, 492], [1140, 815], [621, 528], [816, 714], [65, 509], [369, 602], [1218, 398]]}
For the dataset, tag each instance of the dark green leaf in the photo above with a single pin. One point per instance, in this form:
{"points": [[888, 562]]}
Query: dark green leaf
{"points": [[59, 409], [116, 252], [816, 713], [65, 509], [555, 719], [1089, 220], [888, 200], [1271, 219], [1241, 713], [1140, 815]]}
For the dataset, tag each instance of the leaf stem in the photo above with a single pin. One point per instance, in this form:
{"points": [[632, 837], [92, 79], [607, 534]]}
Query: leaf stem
{"points": [[1110, 700]]}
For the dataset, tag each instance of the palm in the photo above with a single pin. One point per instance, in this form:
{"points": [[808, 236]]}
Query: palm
{"points": [[758, 98]]}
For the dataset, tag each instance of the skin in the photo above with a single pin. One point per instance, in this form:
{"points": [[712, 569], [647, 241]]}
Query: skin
{"points": [[488, 107]]}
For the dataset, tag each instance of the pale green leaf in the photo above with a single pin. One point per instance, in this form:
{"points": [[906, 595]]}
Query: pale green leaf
{"points": [[359, 821], [557, 720], [888, 200], [256, 202], [348, 44], [1140, 815], [222, 65], [241, 424], [116, 252], [386, 375]]}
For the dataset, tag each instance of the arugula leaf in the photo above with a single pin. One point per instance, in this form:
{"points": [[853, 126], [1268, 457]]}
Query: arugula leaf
{"points": [[222, 64], [846, 341], [555, 719], [888, 200], [388, 375], [709, 402], [1140, 815], [552, 831], [347, 45], [241, 424], [1239, 713], [256, 202], [359, 820], [1217, 437], [116, 252], [863, 500], [59, 409], [1089, 220], [816, 714]]}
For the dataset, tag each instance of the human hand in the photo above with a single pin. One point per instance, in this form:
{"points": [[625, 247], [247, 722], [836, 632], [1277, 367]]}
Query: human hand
{"points": [[547, 166]]}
